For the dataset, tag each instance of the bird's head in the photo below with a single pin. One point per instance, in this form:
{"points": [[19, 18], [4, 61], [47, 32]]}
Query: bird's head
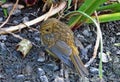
{"points": [[48, 26]]}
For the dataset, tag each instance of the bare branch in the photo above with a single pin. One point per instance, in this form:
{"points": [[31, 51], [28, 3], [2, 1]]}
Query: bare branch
{"points": [[34, 21]]}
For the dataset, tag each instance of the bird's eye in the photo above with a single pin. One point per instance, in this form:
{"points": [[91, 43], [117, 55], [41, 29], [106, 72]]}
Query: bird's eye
{"points": [[47, 30]]}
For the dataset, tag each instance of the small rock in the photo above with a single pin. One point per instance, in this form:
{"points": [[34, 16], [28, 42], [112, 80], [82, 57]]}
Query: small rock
{"points": [[84, 79], [2, 76], [105, 57], [113, 49], [118, 52], [37, 39], [86, 33], [59, 79], [16, 21], [1, 19], [41, 57], [20, 76], [40, 72], [66, 76], [97, 79], [116, 69], [118, 33], [2, 46], [116, 65], [94, 70], [44, 78], [42, 75], [17, 12], [3, 37], [51, 67], [62, 72], [25, 19], [28, 70], [80, 36], [116, 59]]}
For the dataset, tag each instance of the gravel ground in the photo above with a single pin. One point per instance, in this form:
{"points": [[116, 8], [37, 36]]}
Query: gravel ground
{"points": [[37, 66]]}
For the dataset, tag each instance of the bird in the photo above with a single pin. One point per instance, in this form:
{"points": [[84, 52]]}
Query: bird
{"points": [[58, 40]]}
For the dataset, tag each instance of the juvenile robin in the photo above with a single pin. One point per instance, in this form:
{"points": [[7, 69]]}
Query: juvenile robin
{"points": [[58, 39]]}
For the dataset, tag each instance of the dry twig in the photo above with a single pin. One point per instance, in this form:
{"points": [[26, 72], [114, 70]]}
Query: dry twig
{"points": [[96, 45], [34, 21], [11, 12]]}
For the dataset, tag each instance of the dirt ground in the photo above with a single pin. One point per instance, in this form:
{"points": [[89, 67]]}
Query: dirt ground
{"points": [[37, 66]]}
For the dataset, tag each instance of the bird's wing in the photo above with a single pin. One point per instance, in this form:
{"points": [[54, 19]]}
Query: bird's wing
{"points": [[62, 51]]}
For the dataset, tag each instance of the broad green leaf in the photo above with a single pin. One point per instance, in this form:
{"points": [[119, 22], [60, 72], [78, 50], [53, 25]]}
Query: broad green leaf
{"points": [[107, 17], [111, 7], [89, 6]]}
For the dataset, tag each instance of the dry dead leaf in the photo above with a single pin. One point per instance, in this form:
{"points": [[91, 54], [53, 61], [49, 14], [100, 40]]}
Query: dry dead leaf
{"points": [[1, 3], [7, 5], [24, 47]]}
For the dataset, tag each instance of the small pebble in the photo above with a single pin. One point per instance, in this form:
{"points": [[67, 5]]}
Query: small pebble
{"points": [[1, 19], [105, 57], [112, 39], [118, 33], [118, 52], [17, 12], [16, 21], [94, 70], [2, 76], [20, 76], [40, 72], [116, 59], [97, 79], [52, 67], [41, 57], [59, 79], [44, 78], [2, 46], [86, 33], [84, 79], [3, 37], [28, 70], [66, 76], [116, 65], [37, 39], [78, 35], [25, 19]]}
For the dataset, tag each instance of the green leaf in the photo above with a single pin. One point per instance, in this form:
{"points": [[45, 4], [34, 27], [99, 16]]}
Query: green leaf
{"points": [[115, 7], [4, 9], [89, 6], [3, 1], [69, 3], [107, 17], [5, 12]]}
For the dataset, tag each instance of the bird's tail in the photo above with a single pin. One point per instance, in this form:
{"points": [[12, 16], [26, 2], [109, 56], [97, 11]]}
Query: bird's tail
{"points": [[81, 69]]}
